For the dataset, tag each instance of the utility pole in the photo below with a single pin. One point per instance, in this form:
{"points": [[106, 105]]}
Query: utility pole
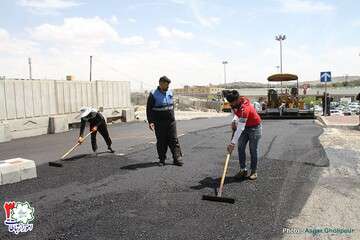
{"points": [[30, 74], [225, 62], [90, 68]]}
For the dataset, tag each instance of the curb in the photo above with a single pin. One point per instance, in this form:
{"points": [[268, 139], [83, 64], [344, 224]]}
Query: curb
{"points": [[343, 126]]}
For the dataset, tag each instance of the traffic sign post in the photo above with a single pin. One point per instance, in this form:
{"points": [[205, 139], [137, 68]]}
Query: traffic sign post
{"points": [[325, 77]]}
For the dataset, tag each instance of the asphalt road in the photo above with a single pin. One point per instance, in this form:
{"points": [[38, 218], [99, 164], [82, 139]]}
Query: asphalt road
{"points": [[125, 137], [130, 197]]}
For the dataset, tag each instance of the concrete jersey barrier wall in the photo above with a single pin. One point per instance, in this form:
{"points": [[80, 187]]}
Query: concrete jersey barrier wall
{"points": [[26, 106]]}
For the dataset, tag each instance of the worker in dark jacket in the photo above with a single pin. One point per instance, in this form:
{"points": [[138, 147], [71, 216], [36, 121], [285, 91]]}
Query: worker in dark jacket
{"points": [[161, 118], [326, 110], [97, 124]]}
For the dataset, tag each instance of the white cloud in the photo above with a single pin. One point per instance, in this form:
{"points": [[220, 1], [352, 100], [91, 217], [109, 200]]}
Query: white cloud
{"points": [[356, 23], [154, 44], [305, 6], [14, 46], [81, 32], [88, 31], [206, 21], [178, 1], [173, 33], [48, 6], [132, 20], [114, 20], [135, 40], [182, 21], [224, 44]]}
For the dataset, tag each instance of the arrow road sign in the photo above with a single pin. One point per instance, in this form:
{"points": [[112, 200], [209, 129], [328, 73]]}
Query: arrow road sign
{"points": [[325, 77]]}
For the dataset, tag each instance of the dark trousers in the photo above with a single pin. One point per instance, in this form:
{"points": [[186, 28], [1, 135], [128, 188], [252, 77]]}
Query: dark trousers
{"points": [[166, 136], [102, 129]]}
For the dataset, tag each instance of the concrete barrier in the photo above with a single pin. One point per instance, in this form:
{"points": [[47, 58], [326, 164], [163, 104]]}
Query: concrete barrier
{"points": [[58, 124], [28, 127], [37, 107], [16, 170], [128, 114], [4, 132]]}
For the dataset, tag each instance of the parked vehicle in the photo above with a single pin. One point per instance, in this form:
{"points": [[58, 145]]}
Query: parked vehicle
{"points": [[347, 111], [336, 112], [318, 109]]}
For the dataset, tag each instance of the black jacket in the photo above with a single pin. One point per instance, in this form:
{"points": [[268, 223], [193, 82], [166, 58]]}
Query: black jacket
{"points": [[96, 120]]}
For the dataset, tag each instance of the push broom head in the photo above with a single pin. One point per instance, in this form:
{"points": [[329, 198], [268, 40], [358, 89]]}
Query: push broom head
{"points": [[218, 199], [55, 164]]}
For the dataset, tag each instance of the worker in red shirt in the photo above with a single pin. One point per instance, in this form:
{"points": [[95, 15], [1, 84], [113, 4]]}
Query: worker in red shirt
{"points": [[246, 127]]}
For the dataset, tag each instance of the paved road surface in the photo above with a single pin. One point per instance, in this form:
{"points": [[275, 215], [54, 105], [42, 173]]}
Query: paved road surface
{"points": [[129, 197], [125, 136]]}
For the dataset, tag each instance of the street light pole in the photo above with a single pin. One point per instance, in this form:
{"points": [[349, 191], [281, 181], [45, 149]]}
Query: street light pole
{"points": [[280, 38], [277, 68], [225, 62], [90, 68], [30, 71]]}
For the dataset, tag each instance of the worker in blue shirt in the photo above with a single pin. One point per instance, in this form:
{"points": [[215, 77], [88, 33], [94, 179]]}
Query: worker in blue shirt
{"points": [[161, 119]]}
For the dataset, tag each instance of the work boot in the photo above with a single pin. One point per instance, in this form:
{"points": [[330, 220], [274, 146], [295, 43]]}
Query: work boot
{"points": [[241, 174], [110, 149], [253, 175], [94, 154], [178, 162], [161, 163]]}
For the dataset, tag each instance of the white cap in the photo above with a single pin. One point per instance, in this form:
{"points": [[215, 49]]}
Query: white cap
{"points": [[84, 111]]}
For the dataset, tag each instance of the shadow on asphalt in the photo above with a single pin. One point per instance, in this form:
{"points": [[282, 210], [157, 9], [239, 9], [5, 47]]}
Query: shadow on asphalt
{"points": [[144, 165], [80, 156], [214, 183], [140, 165]]}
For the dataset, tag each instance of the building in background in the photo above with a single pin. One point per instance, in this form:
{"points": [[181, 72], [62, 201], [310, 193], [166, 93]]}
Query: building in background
{"points": [[198, 91]]}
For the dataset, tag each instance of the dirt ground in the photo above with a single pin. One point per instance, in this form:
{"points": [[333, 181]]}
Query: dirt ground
{"points": [[334, 202]]}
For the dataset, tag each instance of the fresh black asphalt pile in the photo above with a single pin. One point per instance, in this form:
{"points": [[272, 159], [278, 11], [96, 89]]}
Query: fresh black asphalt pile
{"points": [[130, 197]]}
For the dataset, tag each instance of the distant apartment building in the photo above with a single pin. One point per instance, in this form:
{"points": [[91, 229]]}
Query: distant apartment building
{"points": [[198, 90]]}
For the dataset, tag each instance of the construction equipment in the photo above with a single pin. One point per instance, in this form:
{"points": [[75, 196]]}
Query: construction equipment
{"points": [[285, 104], [56, 164], [219, 197]]}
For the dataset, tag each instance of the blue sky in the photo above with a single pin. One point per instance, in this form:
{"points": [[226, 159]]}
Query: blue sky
{"points": [[186, 40]]}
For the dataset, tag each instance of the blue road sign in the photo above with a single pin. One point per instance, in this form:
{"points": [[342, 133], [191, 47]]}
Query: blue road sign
{"points": [[325, 77]]}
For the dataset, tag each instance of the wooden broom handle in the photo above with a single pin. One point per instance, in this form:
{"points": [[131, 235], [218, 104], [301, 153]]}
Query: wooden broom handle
{"points": [[223, 175], [74, 147]]}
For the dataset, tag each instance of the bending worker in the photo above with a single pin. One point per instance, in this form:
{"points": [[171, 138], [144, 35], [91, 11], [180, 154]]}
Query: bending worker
{"points": [[246, 127], [161, 118], [97, 124]]}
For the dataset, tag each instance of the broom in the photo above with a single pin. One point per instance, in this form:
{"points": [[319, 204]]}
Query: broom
{"points": [[219, 197], [56, 164]]}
